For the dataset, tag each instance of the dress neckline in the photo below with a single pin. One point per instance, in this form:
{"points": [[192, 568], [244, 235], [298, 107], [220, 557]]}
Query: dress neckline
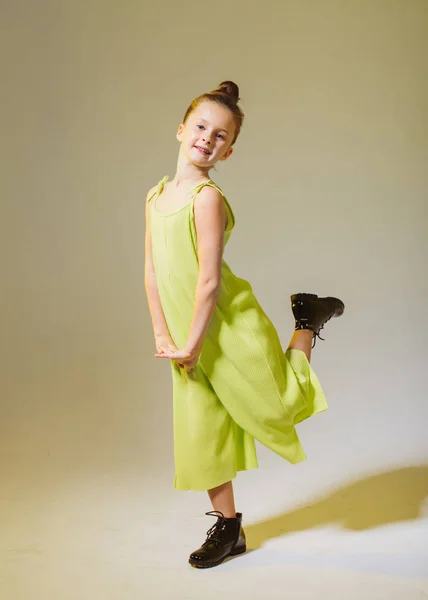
{"points": [[160, 190]]}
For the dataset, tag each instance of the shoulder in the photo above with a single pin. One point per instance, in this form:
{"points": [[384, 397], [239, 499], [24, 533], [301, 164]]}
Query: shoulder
{"points": [[209, 207], [151, 192], [217, 203], [149, 195], [211, 198]]}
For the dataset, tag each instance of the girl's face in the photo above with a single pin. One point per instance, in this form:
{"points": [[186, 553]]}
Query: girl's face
{"points": [[207, 134]]}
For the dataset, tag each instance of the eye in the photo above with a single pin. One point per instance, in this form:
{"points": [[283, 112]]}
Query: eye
{"points": [[200, 126], [220, 135]]}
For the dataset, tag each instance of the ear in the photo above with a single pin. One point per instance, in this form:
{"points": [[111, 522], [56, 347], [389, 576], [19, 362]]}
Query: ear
{"points": [[227, 154], [179, 132]]}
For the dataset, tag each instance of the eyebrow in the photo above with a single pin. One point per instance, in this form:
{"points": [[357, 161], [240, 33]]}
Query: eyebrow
{"points": [[205, 121]]}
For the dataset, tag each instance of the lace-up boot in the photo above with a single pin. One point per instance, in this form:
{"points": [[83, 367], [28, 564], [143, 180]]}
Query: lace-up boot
{"points": [[225, 538], [313, 313]]}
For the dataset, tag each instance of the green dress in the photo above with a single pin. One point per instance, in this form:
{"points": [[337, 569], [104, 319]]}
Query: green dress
{"points": [[243, 387]]}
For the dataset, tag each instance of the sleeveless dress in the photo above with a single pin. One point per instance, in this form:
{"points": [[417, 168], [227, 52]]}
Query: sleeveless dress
{"points": [[243, 387]]}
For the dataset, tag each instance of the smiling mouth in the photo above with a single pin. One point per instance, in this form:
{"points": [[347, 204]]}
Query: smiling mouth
{"points": [[203, 150]]}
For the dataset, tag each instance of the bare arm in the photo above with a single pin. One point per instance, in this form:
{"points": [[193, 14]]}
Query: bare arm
{"points": [[210, 221], [160, 327]]}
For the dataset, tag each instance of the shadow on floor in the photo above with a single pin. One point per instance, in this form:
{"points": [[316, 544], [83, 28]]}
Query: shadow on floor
{"points": [[377, 500]]}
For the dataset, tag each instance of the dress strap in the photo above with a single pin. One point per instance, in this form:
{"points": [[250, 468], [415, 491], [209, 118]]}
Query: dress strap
{"points": [[159, 188], [210, 182]]}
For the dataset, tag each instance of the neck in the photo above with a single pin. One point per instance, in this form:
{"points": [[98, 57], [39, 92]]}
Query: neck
{"points": [[188, 174]]}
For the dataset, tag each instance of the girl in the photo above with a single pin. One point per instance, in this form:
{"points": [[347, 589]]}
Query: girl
{"points": [[232, 381]]}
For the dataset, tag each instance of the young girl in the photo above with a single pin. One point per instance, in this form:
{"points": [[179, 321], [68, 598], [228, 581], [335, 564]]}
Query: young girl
{"points": [[232, 381]]}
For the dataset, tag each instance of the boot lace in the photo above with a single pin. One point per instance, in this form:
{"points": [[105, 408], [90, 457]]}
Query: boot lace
{"points": [[316, 334], [214, 532]]}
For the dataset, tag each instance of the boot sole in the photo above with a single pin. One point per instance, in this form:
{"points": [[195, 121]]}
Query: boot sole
{"points": [[207, 565], [303, 296]]}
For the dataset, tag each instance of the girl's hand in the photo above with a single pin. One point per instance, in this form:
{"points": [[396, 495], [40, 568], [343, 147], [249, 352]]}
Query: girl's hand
{"points": [[164, 343], [186, 359]]}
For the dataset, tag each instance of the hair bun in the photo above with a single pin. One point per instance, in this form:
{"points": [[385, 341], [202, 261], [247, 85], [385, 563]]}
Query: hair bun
{"points": [[229, 88]]}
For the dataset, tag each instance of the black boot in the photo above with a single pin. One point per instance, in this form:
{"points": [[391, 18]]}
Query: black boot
{"points": [[312, 312], [225, 538]]}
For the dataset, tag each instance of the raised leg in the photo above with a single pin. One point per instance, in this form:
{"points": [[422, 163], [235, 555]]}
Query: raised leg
{"points": [[311, 314], [302, 340]]}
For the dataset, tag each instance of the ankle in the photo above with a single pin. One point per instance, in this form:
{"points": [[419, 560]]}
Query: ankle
{"points": [[227, 514]]}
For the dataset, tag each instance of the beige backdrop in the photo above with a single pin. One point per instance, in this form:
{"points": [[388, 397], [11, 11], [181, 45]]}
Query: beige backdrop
{"points": [[329, 187]]}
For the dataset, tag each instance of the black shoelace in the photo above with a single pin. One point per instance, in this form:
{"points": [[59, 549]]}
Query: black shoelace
{"points": [[316, 334], [213, 533]]}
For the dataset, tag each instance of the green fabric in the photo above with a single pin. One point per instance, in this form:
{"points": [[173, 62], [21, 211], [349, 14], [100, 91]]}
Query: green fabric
{"points": [[244, 386]]}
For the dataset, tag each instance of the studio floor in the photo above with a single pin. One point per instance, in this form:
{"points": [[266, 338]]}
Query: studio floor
{"points": [[111, 539]]}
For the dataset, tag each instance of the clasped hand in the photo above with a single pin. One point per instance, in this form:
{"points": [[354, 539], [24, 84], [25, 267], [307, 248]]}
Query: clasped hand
{"points": [[186, 359]]}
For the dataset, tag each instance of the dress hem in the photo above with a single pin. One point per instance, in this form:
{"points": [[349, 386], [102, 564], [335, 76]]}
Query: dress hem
{"points": [[221, 480]]}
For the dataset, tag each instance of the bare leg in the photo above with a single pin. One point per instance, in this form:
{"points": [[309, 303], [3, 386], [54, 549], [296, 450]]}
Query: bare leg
{"points": [[222, 499], [302, 340]]}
